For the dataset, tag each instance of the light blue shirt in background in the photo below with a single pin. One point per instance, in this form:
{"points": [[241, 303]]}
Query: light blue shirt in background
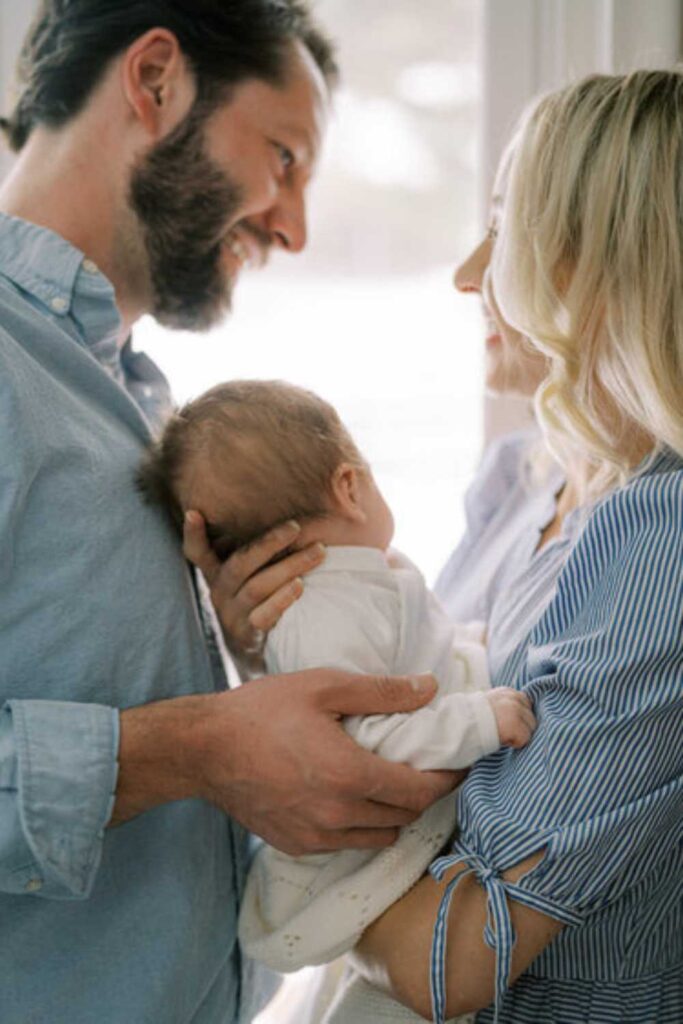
{"points": [[97, 613]]}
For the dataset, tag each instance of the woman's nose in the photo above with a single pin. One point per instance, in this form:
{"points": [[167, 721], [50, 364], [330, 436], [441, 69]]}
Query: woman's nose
{"points": [[469, 276]]}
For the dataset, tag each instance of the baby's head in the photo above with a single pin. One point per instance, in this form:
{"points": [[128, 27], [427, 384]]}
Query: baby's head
{"points": [[251, 454]]}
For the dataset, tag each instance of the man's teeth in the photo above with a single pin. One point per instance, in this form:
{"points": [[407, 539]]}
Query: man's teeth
{"points": [[237, 248]]}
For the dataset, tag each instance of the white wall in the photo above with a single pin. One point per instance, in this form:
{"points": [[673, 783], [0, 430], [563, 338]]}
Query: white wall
{"points": [[532, 46]]}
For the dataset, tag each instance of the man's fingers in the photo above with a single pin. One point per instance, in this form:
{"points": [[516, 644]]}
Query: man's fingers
{"points": [[196, 547], [376, 695], [399, 785], [360, 774], [268, 613], [248, 560], [329, 842], [266, 582]]}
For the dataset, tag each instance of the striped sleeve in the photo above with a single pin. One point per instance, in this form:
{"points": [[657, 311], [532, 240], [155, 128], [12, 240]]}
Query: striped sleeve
{"points": [[600, 787]]}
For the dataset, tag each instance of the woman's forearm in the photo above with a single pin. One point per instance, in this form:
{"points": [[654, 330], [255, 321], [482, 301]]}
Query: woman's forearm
{"points": [[394, 953]]}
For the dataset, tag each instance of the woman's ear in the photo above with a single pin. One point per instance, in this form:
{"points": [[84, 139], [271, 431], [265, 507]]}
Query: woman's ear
{"points": [[347, 492]]}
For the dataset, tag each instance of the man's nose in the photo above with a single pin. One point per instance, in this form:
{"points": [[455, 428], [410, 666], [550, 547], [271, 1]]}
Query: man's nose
{"points": [[287, 221]]}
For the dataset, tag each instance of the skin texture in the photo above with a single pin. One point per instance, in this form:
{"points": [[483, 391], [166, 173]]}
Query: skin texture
{"points": [[272, 754]]}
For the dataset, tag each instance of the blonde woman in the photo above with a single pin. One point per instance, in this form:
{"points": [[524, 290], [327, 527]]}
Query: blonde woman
{"points": [[562, 897]]}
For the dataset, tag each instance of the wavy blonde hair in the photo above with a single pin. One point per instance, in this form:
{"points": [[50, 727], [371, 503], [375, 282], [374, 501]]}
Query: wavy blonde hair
{"points": [[589, 265]]}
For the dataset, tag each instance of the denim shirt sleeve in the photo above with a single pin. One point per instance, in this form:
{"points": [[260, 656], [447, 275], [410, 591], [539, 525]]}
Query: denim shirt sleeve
{"points": [[58, 773]]}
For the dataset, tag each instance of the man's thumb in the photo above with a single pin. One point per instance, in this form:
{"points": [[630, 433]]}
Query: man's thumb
{"points": [[382, 695]]}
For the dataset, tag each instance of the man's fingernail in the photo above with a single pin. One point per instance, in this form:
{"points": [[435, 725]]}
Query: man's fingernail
{"points": [[421, 683], [191, 518], [292, 524], [316, 552]]}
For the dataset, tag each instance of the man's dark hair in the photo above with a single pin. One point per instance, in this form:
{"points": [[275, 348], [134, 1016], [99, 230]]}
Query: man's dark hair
{"points": [[71, 43]]}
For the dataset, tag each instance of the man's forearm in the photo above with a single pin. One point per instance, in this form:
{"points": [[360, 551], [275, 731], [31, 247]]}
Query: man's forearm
{"points": [[159, 754], [250, 752]]}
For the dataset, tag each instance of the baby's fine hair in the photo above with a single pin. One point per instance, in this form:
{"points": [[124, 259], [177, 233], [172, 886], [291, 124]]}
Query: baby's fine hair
{"points": [[272, 449]]}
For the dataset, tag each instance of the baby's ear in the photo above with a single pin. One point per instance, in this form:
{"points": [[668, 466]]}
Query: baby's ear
{"points": [[347, 491]]}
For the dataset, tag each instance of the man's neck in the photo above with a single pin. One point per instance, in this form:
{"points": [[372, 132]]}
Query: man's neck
{"points": [[58, 183]]}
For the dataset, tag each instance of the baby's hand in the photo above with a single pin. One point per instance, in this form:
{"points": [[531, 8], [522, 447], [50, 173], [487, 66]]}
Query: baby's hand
{"points": [[515, 720]]}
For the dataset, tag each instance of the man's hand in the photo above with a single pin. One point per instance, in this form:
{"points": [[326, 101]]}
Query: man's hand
{"points": [[248, 593], [273, 754]]}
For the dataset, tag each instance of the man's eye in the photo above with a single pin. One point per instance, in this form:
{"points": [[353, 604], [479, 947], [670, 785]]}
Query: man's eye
{"points": [[286, 156]]}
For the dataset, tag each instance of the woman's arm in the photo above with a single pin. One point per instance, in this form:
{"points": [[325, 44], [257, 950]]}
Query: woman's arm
{"points": [[592, 806], [395, 951]]}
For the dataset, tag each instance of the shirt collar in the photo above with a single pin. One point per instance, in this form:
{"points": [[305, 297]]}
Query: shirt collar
{"points": [[58, 276], [346, 558]]}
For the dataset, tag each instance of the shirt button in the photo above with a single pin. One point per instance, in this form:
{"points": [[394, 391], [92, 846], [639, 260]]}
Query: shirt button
{"points": [[33, 885], [59, 304], [91, 267]]}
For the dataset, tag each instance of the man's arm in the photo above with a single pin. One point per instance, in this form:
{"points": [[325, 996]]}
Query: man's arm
{"points": [[274, 755], [394, 953]]}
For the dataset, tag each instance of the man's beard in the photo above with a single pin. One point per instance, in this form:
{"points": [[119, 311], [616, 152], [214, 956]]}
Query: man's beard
{"points": [[185, 204]]}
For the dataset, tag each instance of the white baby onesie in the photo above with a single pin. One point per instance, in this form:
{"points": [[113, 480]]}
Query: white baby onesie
{"points": [[361, 614]]}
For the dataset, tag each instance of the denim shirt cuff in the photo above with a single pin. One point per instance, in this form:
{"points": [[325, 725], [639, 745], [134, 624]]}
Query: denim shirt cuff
{"points": [[66, 770]]}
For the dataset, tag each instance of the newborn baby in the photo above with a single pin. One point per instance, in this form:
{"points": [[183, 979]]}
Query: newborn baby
{"points": [[249, 455]]}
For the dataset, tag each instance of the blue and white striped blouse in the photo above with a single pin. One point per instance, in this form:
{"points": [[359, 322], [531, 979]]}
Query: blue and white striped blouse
{"points": [[592, 628]]}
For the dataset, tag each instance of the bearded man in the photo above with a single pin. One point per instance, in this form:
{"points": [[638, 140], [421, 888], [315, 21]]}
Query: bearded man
{"points": [[162, 145]]}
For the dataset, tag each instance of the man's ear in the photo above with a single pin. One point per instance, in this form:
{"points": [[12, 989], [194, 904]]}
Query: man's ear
{"points": [[157, 83], [347, 492]]}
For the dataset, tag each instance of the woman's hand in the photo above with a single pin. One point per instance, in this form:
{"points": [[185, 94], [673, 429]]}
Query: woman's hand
{"points": [[250, 599]]}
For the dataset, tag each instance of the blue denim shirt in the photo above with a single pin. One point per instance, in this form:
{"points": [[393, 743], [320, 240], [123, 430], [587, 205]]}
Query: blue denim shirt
{"points": [[97, 613]]}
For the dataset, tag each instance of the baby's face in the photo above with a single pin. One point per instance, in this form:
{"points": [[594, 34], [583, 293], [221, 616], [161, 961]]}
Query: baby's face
{"points": [[379, 519]]}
